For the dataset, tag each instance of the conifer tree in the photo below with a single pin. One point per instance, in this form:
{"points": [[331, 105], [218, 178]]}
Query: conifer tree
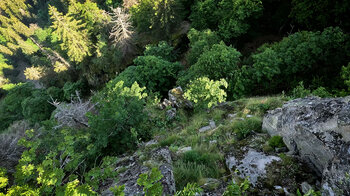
{"points": [[14, 32], [72, 33]]}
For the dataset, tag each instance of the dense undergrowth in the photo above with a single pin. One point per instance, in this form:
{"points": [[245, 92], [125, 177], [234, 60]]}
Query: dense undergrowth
{"points": [[81, 82]]}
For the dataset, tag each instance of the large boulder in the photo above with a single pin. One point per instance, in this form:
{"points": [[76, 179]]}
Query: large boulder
{"points": [[317, 130]]}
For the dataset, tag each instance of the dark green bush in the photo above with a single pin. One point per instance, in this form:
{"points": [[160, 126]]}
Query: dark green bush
{"points": [[162, 50], [324, 13], [200, 41], [37, 108], [230, 18], [116, 128], [70, 88], [154, 73], [219, 62], [55, 93], [282, 65], [11, 105]]}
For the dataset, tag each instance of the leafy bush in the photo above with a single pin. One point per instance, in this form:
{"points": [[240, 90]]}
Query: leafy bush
{"points": [[282, 65], [236, 15], [157, 17], [345, 74], [36, 176], [200, 41], [300, 91], [206, 93], [116, 128], [234, 189], [321, 92], [55, 93], [70, 88], [162, 50], [276, 142], [37, 108], [151, 182], [324, 13], [230, 18], [191, 189], [154, 73], [11, 105], [220, 61]]}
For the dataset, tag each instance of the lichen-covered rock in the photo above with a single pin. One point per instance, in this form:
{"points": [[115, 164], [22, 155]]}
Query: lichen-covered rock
{"points": [[252, 165], [177, 99], [134, 168], [318, 130]]}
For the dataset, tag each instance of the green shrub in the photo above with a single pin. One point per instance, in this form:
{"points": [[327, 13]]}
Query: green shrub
{"points": [[282, 65], [154, 73], [55, 93], [200, 41], [234, 189], [276, 142], [11, 105], [151, 182], [300, 91], [37, 108], [206, 93], [50, 175], [231, 18], [345, 74], [236, 15], [162, 50], [70, 88], [324, 13], [219, 62], [191, 189], [116, 128], [157, 17], [245, 127], [321, 92]]}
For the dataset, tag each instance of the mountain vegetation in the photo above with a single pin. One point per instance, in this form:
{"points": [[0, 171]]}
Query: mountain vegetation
{"points": [[82, 81]]}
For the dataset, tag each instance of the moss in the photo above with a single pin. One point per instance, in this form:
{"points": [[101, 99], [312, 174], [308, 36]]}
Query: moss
{"points": [[276, 142]]}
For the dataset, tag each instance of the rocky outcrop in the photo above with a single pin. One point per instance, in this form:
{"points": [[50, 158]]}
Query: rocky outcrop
{"points": [[317, 130], [133, 167], [176, 100]]}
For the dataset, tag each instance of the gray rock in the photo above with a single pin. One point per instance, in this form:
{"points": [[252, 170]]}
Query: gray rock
{"points": [[151, 142], [130, 176], [171, 114], [184, 149], [177, 99], [252, 165], [211, 126], [318, 130], [305, 187]]}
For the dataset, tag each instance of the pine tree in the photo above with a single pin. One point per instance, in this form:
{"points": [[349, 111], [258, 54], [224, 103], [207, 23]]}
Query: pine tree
{"points": [[14, 32], [72, 33]]}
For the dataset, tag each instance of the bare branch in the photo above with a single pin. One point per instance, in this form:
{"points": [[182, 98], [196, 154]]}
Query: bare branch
{"points": [[122, 32]]}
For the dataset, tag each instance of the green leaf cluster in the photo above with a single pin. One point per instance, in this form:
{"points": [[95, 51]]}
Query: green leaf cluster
{"points": [[151, 182], [206, 93]]}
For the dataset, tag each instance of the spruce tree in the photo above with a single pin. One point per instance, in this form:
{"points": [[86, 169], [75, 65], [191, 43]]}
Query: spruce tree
{"points": [[72, 33]]}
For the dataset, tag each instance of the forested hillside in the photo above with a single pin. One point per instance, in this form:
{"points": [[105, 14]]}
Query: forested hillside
{"points": [[86, 83]]}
